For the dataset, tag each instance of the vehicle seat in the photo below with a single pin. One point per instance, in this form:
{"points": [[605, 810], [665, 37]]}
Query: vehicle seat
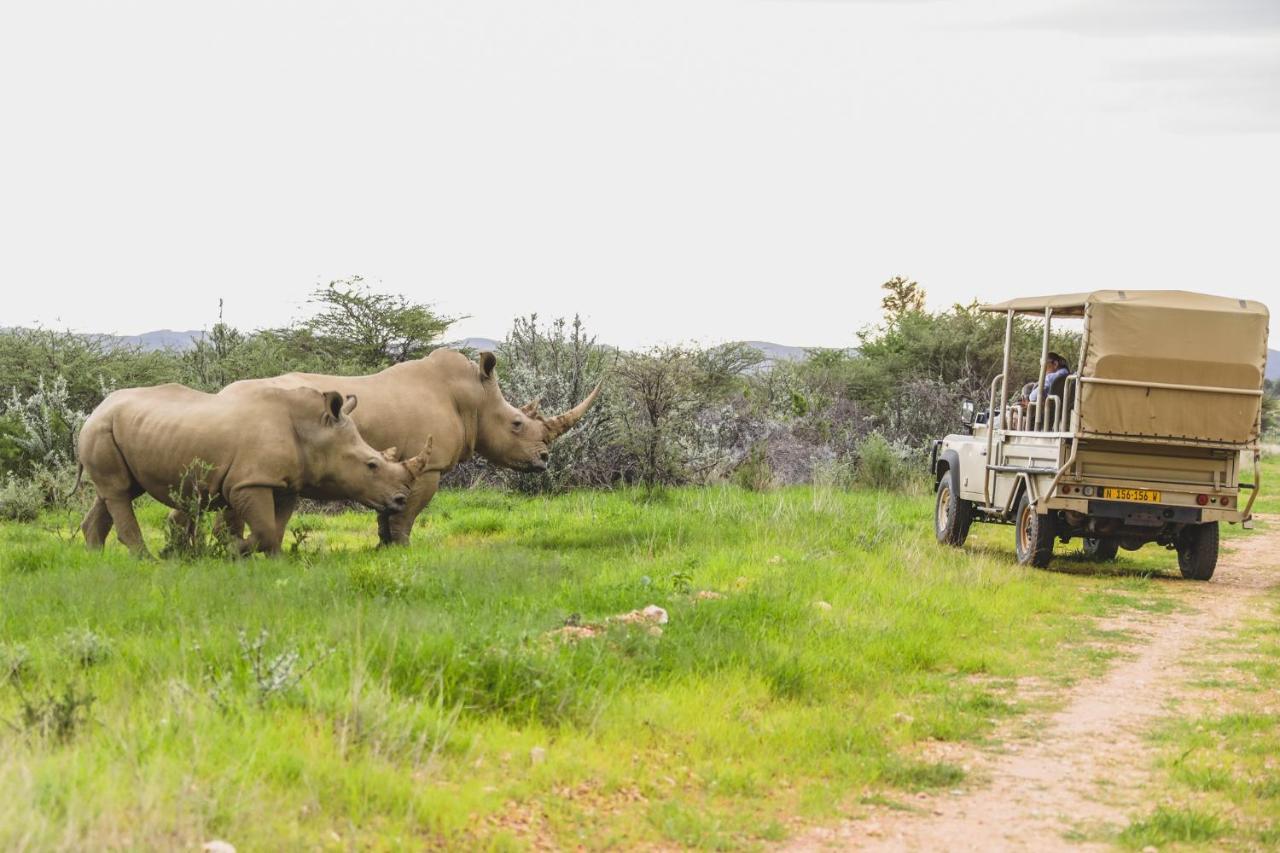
{"points": [[1067, 394]]}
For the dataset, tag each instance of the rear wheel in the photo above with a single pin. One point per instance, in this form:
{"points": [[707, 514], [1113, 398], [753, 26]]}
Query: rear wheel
{"points": [[1101, 550], [1035, 535], [1198, 551], [952, 515]]}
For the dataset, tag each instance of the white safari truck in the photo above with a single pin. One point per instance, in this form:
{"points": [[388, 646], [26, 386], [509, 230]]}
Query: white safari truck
{"points": [[1144, 441]]}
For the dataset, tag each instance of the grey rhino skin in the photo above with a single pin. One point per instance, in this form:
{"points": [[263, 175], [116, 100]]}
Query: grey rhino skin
{"points": [[450, 397], [254, 453]]}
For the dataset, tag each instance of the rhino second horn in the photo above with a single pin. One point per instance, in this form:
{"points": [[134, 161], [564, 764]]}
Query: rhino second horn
{"points": [[421, 463], [561, 424]]}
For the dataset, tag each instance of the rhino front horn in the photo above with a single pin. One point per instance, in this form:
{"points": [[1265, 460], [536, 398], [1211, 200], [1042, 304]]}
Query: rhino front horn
{"points": [[561, 424]]}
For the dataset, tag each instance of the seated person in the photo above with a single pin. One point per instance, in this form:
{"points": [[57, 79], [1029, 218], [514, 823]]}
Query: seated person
{"points": [[1056, 370]]}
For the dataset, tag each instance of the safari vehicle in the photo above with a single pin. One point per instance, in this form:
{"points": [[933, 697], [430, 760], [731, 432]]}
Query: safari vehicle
{"points": [[1144, 442]]}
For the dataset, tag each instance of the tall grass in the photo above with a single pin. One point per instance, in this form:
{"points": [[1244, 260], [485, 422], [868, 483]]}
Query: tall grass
{"points": [[425, 702]]}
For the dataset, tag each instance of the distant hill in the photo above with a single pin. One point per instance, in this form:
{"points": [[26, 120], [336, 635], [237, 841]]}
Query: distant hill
{"points": [[477, 344], [161, 339], [773, 353]]}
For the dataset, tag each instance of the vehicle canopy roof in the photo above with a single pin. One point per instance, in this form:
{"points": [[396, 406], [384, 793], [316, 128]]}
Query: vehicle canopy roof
{"points": [[1165, 363]]}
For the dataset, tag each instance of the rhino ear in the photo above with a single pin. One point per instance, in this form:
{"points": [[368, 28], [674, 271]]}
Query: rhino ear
{"points": [[488, 361], [349, 404], [333, 403]]}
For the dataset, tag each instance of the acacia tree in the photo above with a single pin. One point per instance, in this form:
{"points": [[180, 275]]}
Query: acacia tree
{"points": [[359, 326], [901, 297]]}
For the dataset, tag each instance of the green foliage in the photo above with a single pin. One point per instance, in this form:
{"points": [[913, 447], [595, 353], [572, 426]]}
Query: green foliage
{"points": [[56, 717], [15, 662], [359, 326], [755, 473], [85, 647], [676, 415], [195, 530], [901, 297], [89, 364], [961, 347], [881, 465], [21, 499]]}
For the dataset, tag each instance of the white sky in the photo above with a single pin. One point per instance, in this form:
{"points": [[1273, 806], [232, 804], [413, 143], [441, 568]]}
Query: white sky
{"points": [[671, 169]]}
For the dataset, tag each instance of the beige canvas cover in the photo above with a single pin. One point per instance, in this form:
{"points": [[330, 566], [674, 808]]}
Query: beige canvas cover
{"points": [[1169, 337]]}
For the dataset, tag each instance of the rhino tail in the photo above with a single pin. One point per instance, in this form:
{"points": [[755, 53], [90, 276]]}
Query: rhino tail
{"points": [[79, 480]]}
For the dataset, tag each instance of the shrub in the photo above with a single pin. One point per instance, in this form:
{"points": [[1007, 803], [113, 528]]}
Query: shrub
{"points": [[57, 717], [557, 365], [755, 474], [20, 499], [86, 648], [15, 662], [882, 465], [195, 531]]}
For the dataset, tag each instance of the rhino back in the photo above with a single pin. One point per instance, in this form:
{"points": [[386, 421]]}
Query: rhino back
{"points": [[162, 431], [402, 405]]}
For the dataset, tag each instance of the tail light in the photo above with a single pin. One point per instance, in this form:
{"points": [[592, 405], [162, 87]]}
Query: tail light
{"points": [[1203, 500]]}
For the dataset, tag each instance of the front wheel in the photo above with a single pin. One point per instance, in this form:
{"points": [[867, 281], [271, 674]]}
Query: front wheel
{"points": [[1101, 550], [952, 514], [1197, 546], [1035, 535]]}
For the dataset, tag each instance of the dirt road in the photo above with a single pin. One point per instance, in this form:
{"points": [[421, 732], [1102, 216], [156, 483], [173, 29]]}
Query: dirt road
{"points": [[1086, 765]]}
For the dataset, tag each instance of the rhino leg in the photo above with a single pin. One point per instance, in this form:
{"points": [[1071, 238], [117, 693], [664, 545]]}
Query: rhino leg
{"points": [[285, 503], [96, 525], [394, 528], [127, 529], [116, 488], [256, 506]]}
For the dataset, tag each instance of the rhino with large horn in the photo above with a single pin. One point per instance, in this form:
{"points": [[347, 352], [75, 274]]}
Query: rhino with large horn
{"points": [[453, 399]]}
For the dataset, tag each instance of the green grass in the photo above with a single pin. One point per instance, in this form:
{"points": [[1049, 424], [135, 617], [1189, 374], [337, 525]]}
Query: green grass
{"points": [[1222, 767], [1268, 501], [416, 699]]}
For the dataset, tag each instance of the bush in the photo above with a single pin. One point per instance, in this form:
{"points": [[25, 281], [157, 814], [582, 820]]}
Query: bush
{"points": [[86, 648], [882, 465], [556, 366], [20, 499], [755, 474]]}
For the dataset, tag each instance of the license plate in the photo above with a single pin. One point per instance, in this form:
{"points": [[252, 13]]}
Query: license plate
{"points": [[1147, 496]]}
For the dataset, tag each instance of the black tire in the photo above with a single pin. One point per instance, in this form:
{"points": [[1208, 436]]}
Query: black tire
{"points": [[952, 514], [1033, 535], [1101, 550], [1198, 551]]}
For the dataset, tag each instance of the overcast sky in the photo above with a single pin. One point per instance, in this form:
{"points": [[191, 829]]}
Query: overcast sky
{"points": [[671, 169]]}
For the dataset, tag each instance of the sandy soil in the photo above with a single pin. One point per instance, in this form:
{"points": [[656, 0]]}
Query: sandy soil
{"points": [[1086, 765]]}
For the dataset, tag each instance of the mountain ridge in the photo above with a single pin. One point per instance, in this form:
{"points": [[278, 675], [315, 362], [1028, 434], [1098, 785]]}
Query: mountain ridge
{"points": [[773, 353]]}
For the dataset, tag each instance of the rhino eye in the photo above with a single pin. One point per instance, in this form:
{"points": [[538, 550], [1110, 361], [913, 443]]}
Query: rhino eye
{"points": [[516, 424], [373, 464]]}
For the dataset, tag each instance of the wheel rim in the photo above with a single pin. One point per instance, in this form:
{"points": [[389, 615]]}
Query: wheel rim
{"points": [[1024, 530], [944, 507]]}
